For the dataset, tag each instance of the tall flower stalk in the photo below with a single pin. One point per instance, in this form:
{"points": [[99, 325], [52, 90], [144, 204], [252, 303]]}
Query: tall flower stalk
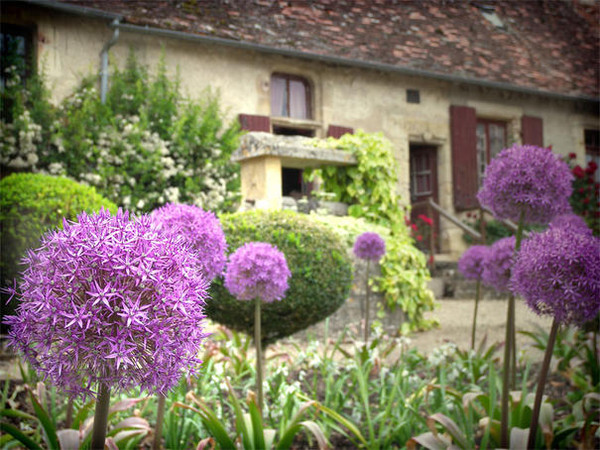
{"points": [[257, 271], [471, 266], [370, 247], [109, 303], [528, 185], [557, 272], [202, 231]]}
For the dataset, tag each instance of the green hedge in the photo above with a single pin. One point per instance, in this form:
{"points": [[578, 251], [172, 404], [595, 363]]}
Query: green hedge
{"points": [[31, 204], [319, 262]]}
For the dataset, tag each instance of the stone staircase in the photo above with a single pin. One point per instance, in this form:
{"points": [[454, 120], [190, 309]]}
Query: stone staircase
{"points": [[448, 283]]}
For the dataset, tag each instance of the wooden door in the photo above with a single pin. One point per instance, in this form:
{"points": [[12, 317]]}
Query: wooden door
{"points": [[423, 186]]}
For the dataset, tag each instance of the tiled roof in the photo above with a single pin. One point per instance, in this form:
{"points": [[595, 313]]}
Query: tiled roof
{"points": [[547, 45]]}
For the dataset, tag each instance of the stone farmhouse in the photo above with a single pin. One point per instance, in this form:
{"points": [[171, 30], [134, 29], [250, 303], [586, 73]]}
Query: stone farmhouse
{"points": [[449, 82]]}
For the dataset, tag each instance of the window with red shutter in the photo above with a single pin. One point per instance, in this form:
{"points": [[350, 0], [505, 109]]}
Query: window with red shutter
{"points": [[532, 131], [337, 131], [491, 140], [290, 96], [250, 122], [463, 126]]}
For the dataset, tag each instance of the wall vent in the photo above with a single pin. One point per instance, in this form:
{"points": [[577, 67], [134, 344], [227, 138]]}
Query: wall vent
{"points": [[413, 96]]}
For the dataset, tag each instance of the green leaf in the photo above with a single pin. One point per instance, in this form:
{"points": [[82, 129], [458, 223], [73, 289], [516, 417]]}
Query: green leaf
{"points": [[19, 435], [257, 424], [47, 425]]}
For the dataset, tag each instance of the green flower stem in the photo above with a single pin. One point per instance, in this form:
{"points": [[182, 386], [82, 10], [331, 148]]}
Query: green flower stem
{"points": [[477, 296], [367, 301], [69, 418], [539, 394], [510, 352], [160, 415], [101, 418], [259, 357]]}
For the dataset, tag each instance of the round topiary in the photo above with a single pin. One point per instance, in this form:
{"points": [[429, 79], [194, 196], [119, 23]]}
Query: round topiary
{"points": [[30, 205], [320, 265]]}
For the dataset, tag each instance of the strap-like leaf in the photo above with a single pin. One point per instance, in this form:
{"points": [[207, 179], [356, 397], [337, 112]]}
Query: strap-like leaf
{"points": [[47, 425], [450, 426], [19, 435]]}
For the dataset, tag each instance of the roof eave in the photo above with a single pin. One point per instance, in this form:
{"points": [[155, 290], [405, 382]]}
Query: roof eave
{"points": [[95, 13]]}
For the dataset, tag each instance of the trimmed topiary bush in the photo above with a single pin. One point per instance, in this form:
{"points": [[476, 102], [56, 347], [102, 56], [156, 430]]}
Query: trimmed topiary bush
{"points": [[320, 265], [30, 205]]}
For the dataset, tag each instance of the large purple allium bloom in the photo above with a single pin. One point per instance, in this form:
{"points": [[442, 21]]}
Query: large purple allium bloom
{"points": [[571, 221], [201, 229], [369, 246], [527, 179], [110, 300], [557, 272], [498, 263], [471, 262], [257, 270]]}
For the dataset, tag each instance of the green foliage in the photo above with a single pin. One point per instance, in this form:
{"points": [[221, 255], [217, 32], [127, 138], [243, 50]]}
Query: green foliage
{"points": [[30, 205], [404, 272], [370, 187], [320, 281], [148, 145]]}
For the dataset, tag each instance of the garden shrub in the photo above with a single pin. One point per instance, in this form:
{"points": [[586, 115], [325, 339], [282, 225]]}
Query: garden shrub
{"points": [[148, 145], [404, 272], [316, 256], [30, 205]]}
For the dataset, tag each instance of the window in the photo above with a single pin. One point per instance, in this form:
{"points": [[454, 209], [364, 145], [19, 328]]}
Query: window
{"points": [[15, 52], [491, 139], [290, 97], [592, 150]]}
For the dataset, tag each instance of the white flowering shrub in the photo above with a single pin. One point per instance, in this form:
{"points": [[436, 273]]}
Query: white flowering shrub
{"points": [[147, 146]]}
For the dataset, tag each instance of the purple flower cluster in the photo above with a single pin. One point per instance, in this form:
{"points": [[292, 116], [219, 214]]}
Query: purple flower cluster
{"points": [[201, 229], [369, 246], [527, 179], [571, 221], [110, 300], [257, 270], [557, 272], [472, 261], [498, 263]]}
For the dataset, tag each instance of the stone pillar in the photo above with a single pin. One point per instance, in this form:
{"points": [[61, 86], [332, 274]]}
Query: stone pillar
{"points": [[261, 181]]}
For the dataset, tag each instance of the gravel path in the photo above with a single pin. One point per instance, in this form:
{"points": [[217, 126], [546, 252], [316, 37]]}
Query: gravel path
{"points": [[455, 317]]}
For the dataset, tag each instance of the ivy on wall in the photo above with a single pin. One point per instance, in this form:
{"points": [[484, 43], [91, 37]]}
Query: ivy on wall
{"points": [[370, 188]]}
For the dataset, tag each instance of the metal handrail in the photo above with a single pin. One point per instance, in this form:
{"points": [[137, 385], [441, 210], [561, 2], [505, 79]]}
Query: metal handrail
{"points": [[466, 228]]}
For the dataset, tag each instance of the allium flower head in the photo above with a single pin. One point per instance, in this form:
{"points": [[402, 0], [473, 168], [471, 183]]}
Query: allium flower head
{"points": [[110, 300], [557, 272], [528, 179], [498, 263], [369, 246], [257, 270], [571, 221], [201, 229], [472, 260]]}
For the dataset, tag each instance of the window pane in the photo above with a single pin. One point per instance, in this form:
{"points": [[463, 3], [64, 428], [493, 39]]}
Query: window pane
{"points": [[481, 150], [278, 96], [497, 139], [298, 105]]}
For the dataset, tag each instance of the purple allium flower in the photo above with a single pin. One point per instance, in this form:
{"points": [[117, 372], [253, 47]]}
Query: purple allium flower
{"points": [[369, 246], [201, 229], [472, 260], [110, 300], [257, 270], [498, 263], [528, 179], [571, 221], [557, 272]]}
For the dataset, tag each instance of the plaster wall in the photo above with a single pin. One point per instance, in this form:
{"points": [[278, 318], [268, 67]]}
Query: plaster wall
{"points": [[68, 48]]}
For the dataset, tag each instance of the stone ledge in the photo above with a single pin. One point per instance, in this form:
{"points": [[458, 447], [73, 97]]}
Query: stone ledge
{"points": [[294, 151]]}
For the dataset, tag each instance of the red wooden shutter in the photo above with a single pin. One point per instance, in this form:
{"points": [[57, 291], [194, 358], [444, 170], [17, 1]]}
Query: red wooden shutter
{"points": [[463, 125], [532, 131], [251, 122], [337, 131]]}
